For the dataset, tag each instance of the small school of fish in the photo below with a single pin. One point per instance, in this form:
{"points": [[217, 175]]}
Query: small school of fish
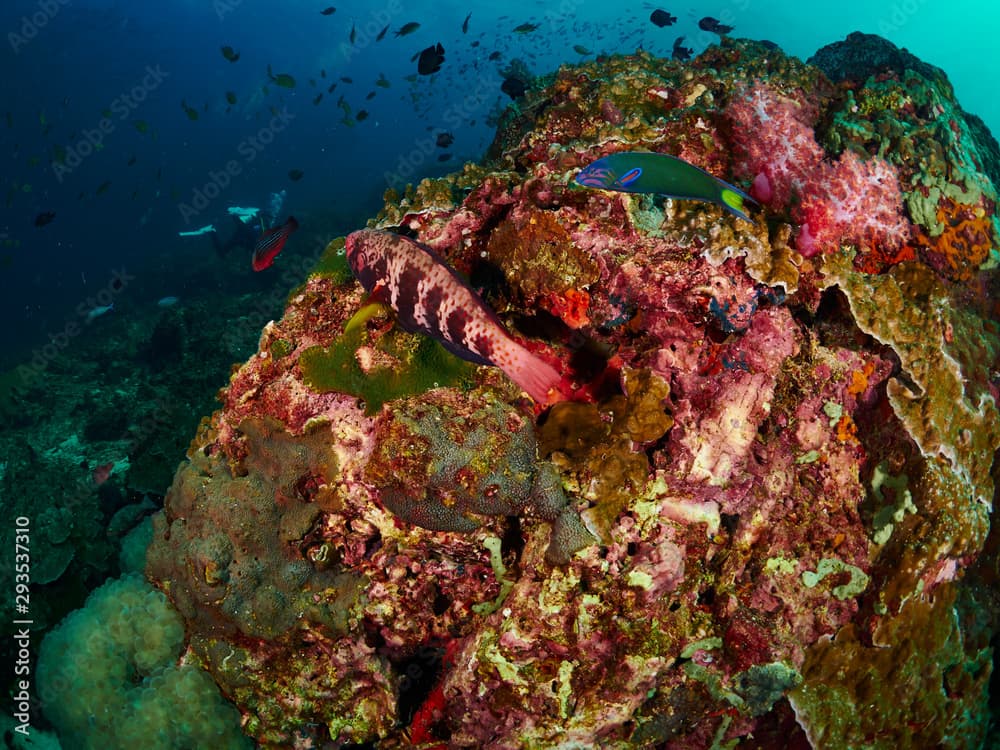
{"points": [[487, 41]]}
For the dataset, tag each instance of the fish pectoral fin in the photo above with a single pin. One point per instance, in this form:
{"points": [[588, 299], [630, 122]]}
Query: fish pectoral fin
{"points": [[462, 353]]}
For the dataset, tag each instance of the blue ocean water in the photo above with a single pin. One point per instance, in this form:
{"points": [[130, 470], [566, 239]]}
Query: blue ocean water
{"points": [[127, 122]]}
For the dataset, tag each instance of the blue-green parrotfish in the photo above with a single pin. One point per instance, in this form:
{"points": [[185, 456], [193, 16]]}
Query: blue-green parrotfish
{"points": [[646, 172]]}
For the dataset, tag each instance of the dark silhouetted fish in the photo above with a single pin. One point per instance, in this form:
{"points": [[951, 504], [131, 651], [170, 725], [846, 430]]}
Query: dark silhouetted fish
{"points": [[445, 139], [661, 18], [430, 60], [230, 54], [679, 51], [712, 24], [407, 28], [525, 28], [381, 34], [328, 11], [281, 79], [44, 218], [295, 174], [465, 24], [513, 87]]}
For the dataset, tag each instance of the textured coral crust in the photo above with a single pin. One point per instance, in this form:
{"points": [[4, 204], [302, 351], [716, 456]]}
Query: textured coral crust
{"points": [[430, 472], [927, 687]]}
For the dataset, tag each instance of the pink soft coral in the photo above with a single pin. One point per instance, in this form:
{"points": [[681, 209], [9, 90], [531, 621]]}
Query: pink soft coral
{"points": [[774, 143], [850, 200]]}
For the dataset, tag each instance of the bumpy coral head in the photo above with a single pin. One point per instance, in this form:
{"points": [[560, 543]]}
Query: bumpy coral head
{"points": [[367, 257]]}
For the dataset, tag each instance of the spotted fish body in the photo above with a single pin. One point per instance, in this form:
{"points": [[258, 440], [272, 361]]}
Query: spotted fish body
{"points": [[646, 172], [430, 298]]}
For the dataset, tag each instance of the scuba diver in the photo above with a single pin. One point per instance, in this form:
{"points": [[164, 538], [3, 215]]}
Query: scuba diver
{"points": [[249, 225], [244, 236], [252, 233]]}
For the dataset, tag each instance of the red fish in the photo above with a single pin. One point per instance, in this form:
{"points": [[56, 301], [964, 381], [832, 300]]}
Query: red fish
{"points": [[430, 298], [102, 473], [270, 244]]}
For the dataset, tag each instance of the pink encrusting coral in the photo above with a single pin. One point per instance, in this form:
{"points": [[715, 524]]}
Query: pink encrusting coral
{"points": [[851, 200]]}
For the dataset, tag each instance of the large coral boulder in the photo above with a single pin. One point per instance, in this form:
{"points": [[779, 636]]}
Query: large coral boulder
{"points": [[758, 513]]}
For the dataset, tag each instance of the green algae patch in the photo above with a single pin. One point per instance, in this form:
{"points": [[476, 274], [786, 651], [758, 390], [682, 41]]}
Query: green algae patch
{"points": [[890, 513], [332, 263], [396, 365], [281, 348], [830, 565]]}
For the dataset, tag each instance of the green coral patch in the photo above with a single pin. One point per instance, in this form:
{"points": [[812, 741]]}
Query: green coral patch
{"points": [[400, 364], [333, 262]]}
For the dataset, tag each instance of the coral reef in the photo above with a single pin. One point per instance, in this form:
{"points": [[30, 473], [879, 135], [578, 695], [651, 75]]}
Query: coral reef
{"points": [[91, 435], [749, 519], [108, 677]]}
